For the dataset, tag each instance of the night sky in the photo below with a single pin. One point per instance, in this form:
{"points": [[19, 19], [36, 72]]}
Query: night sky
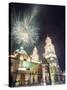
{"points": [[51, 21]]}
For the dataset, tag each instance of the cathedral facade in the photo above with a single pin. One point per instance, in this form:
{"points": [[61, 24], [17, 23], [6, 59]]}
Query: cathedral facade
{"points": [[29, 70]]}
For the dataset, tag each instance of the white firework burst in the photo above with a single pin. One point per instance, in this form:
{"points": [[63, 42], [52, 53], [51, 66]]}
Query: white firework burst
{"points": [[25, 32]]}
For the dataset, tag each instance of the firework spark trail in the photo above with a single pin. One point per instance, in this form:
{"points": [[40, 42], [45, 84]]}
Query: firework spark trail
{"points": [[25, 31]]}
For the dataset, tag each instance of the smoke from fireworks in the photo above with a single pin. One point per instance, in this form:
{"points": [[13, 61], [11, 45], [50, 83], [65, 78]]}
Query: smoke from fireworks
{"points": [[25, 31]]}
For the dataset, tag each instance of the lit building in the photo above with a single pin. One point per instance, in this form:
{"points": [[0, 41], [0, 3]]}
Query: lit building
{"points": [[35, 55], [29, 70], [25, 70], [52, 61]]}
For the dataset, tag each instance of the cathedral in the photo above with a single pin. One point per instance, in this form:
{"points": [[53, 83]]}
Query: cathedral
{"points": [[30, 70]]}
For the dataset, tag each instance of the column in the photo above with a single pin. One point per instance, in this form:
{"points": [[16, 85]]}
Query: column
{"points": [[43, 73], [31, 78]]}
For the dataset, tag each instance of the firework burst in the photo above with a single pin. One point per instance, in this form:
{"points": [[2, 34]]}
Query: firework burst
{"points": [[25, 31]]}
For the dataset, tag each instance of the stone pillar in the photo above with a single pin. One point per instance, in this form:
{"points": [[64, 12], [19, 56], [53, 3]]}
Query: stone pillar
{"points": [[31, 78], [18, 78], [36, 78], [52, 74], [27, 76], [43, 73], [52, 79]]}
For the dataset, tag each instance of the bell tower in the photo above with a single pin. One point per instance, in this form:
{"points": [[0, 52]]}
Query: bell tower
{"points": [[51, 58]]}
